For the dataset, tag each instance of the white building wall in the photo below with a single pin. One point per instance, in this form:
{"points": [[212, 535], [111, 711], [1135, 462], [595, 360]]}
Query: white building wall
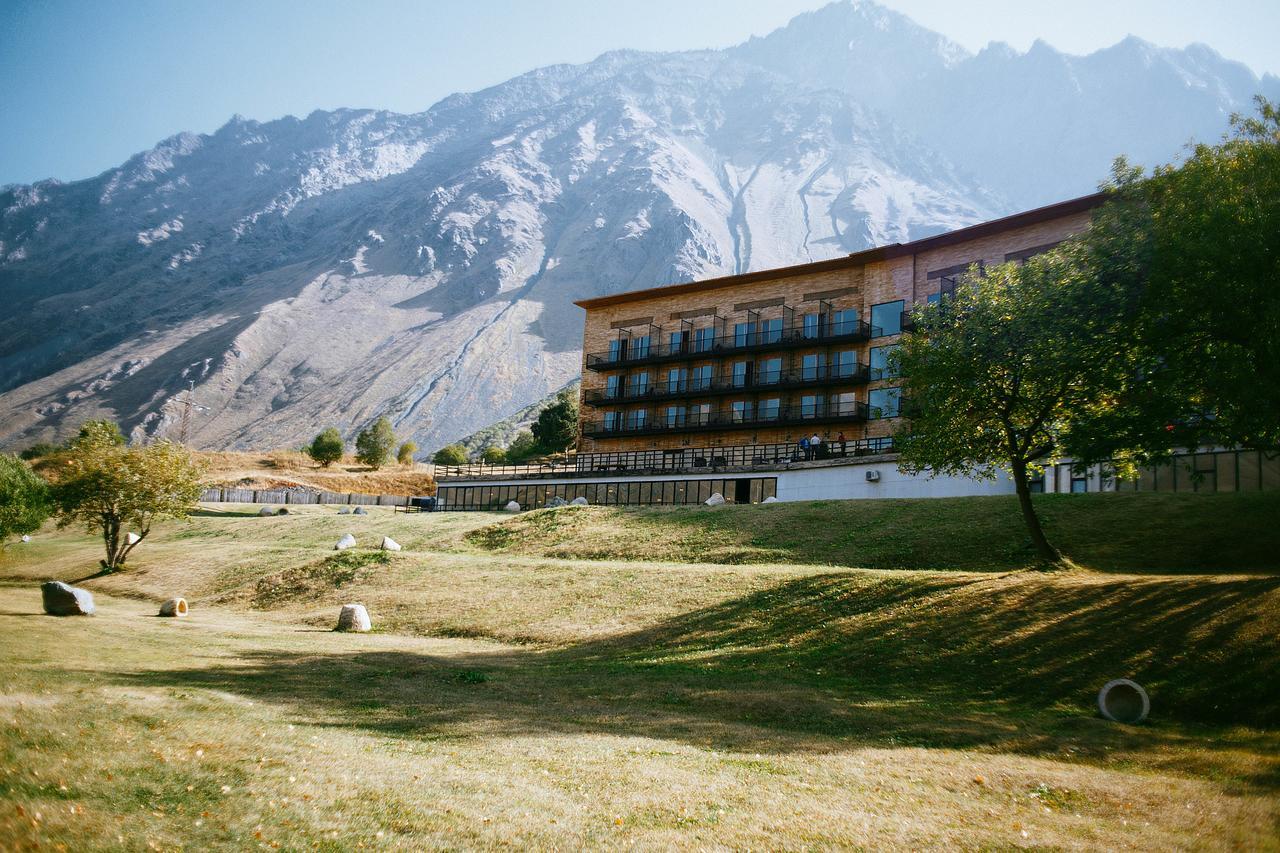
{"points": [[849, 482]]}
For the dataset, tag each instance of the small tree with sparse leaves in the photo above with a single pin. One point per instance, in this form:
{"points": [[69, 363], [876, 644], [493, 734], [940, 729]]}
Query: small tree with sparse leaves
{"points": [[327, 447], [375, 444], [24, 499], [405, 454]]}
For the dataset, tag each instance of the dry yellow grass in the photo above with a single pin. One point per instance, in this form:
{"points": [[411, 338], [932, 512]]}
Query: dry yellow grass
{"points": [[281, 469], [523, 701]]}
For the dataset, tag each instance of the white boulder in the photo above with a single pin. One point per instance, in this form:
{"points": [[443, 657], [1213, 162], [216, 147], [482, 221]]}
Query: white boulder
{"points": [[353, 617], [772, 499], [344, 511], [61, 599], [512, 507], [132, 538], [359, 511], [557, 502], [174, 607], [715, 500], [26, 538], [347, 541], [389, 544], [266, 510], [579, 501]]}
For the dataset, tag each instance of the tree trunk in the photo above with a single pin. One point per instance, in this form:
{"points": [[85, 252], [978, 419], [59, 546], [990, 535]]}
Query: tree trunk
{"points": [[1044, 550]]}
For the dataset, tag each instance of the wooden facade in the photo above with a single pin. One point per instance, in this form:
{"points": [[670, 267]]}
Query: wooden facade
{"points": [[772, 356]]}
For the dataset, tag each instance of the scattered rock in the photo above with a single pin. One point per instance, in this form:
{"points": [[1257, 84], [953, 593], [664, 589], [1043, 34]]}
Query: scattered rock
{"points": [[389, 544], [353, 617], [770, 500], [26, 538], [579, 501], [359, 511], [1124, 701], [284, 510], [132, 538], [557, 501], [715, 500], [61, 599], [347, 541], [344, 511], [512, 507], [174, 607], [266, 510]]}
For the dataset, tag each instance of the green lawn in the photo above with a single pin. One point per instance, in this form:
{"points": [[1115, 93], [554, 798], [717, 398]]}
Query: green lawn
{"points": [[522, 700]]}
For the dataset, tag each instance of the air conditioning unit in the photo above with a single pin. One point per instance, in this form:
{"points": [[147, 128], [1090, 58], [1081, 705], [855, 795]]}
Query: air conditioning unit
{"points": [[873, 476]]}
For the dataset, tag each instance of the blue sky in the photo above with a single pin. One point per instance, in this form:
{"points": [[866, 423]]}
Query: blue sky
{"points": [[84, 85]]}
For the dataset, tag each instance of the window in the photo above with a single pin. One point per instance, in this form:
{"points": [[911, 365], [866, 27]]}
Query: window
{"points": [[617, 349], [844, 322], [703, 338], [674, 416], [1035, 485], [886, 319], [812, 325], [677, 380], [846, 364], [637, 418], [743, 334], [880, 362], [612, 421], [844, 404], [640, 383], [701, 377], [770, 371], [675, 342], [640, 347], [771, 331], [1079, 482], [741, 374], [613, 386], [700, 414], [811, 366], [883, 402], [810, 406], [770, 409], [741, 410]]}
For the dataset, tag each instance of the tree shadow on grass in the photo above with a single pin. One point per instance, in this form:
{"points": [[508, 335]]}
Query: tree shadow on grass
{"points": [[824, 663]]}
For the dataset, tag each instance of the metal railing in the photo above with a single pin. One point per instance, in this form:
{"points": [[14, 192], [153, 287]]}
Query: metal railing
{"points": [[788, 415], [670, 460], [727, 383], [795, 335]]}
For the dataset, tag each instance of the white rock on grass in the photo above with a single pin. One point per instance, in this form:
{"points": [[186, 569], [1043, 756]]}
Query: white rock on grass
{"points": [[353, 617], [344, 511], [174, 607], [770, 500], [715, 500], [512, 507], [60, 599], [389, 544], [266, 510], [132, 538], [359, 511], [579, 501], [557, 502], [347, 541], [26, 538]]}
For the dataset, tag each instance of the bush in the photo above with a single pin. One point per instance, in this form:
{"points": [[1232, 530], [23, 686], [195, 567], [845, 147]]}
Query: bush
{"points": [[374, 444], [556, 428], [327, 447], [38, 450], [523, 447], [24, 498], [405, 454], [493, 455], [452, 454]]}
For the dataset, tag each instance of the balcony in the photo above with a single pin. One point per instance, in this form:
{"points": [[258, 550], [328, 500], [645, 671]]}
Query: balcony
{"points": [[790, 337], [728, 419], [727, 383]]}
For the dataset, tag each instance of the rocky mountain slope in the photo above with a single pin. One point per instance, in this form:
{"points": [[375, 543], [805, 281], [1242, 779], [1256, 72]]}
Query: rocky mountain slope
{"points": [[328, 270]]}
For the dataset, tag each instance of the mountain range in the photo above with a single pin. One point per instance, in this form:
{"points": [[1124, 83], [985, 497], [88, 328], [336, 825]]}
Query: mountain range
{"points": [[300, 273]]}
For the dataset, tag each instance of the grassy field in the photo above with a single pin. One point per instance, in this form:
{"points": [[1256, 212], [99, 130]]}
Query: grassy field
{"points": [[512, 699], [283, 469]]}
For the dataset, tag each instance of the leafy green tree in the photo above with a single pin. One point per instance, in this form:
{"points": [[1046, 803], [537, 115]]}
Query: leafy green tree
{"points": [[996, 372], [112, 490], [375, 444], [493, 455], [327, 447], [24, 498], [556, 428], [405, 454], [523, 447], [101, 430], [1195, 248], [450, 454], [39, 450]]}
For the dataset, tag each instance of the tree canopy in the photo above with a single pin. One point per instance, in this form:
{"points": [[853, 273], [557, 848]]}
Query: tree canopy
{"points": [[405, 454], [450, 454], [375, 444], [556, 428], [327, 447], [24, 498]]}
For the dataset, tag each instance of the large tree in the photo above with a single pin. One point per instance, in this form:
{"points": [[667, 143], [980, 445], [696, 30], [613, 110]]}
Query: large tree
{"points": [[995, 373], [556, 428], [114, 490], [24, 498], [327, 447], [375, 444]]}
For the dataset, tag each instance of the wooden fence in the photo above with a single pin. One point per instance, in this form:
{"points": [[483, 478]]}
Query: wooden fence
{"points": [[288, 496]]}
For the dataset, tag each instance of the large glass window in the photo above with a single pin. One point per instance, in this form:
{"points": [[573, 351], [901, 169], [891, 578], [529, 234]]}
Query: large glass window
{"points": [[770, 371], [612, 421], [771, 330], [640, 382], [811, 326], [703, 339], [617, 349], [811, 366], [880, 362], [770, 409], [613, 386], [886, 319], [884, 402], [846, 364], [810, 406], [743, 334], [741, 410], [700, 413], [675, 342], [741, 374], [674, 416], [637, 418], [701, 378], [844, 322], [677, 380], [640, 347], [844, 404]]}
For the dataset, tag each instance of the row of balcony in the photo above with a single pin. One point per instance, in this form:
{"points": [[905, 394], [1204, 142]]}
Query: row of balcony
{"points": [[727, 382], [644, 350], [764, 417]]}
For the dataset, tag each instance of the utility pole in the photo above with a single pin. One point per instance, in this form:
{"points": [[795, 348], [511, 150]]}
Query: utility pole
{"points": [[188, 403]]}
